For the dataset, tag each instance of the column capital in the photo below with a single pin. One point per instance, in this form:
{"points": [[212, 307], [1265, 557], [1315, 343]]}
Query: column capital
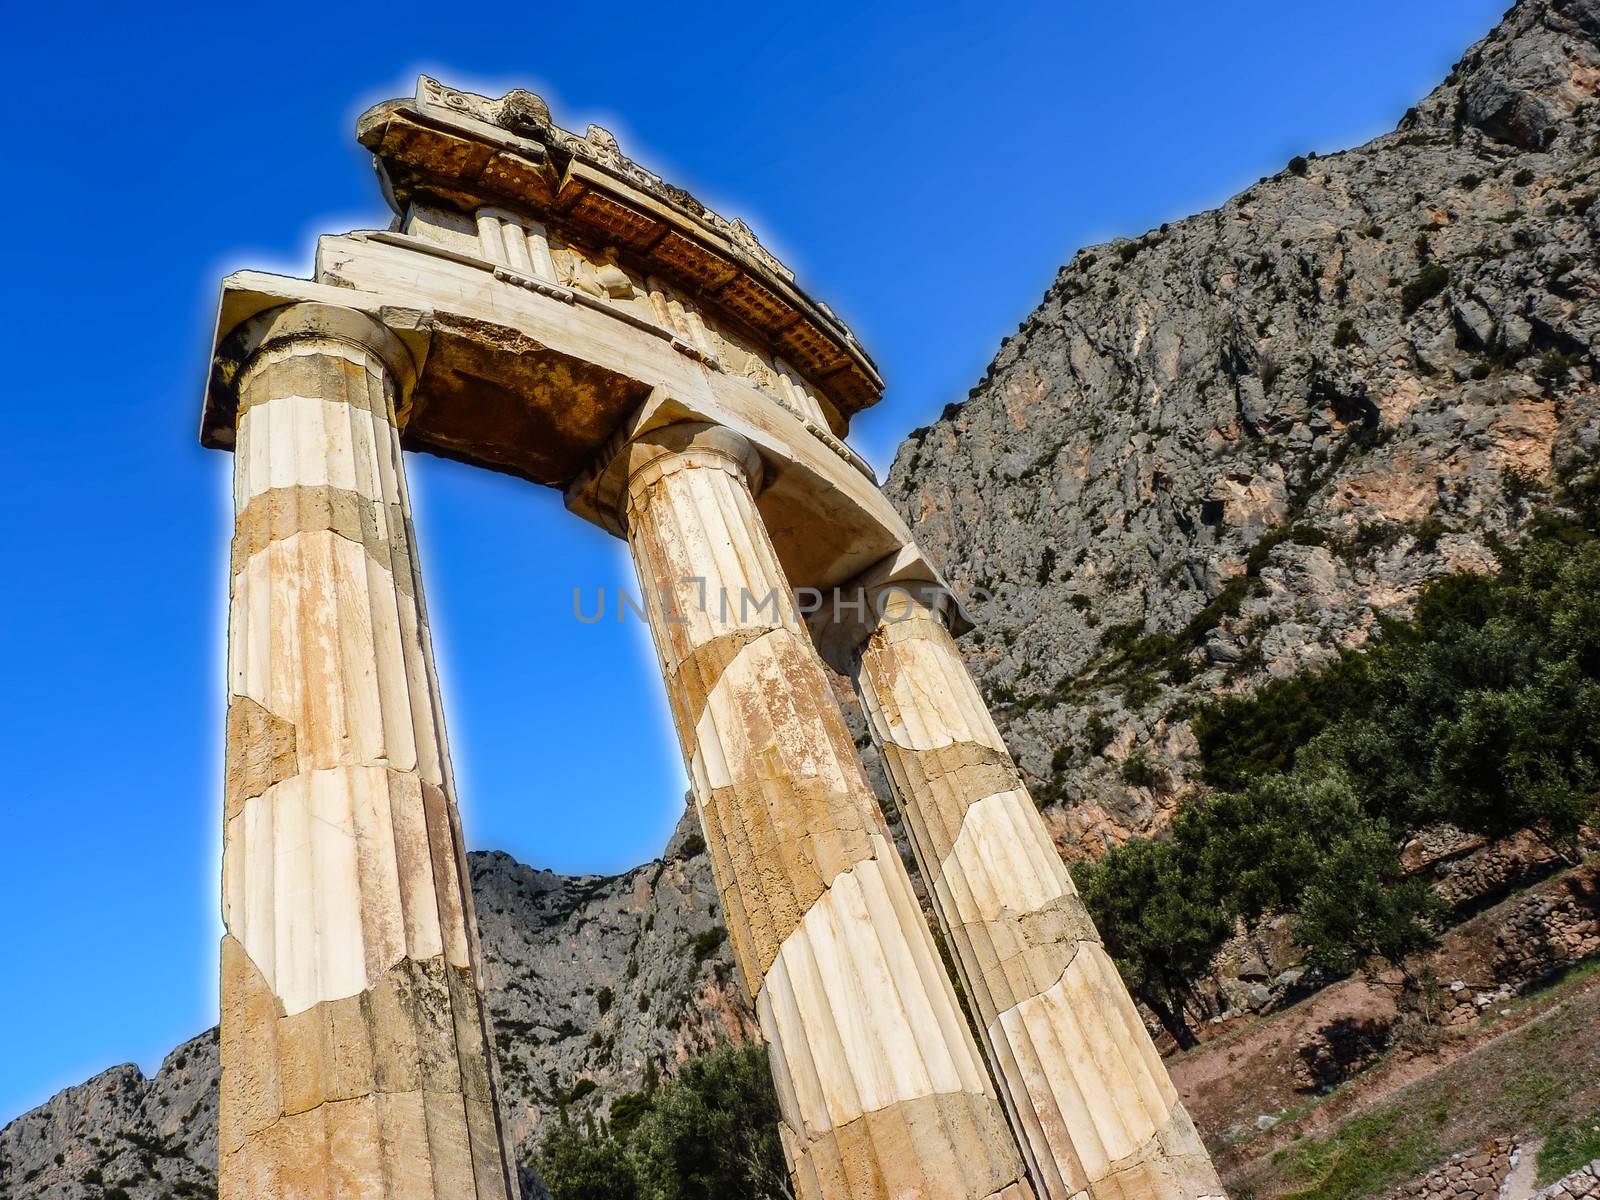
{"points": [[684, 445], [259, 311], [609, 491], [903, 586], [909, 599], [312, 320]]}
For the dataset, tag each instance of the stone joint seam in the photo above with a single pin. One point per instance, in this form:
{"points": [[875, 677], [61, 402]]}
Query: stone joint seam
{"points": [[311, 346], [254, 532]]}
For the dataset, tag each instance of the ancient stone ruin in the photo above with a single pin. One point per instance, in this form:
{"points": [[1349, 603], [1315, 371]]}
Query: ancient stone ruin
{"points": [[546, 307]]}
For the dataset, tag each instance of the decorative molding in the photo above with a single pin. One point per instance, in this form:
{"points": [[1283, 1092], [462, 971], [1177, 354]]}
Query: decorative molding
{"points": [[554, 290], [525, 114]]}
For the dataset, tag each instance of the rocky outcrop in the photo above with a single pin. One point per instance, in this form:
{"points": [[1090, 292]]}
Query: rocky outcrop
{"points": [[1221, 451], [596, 984], [148, 1137]]}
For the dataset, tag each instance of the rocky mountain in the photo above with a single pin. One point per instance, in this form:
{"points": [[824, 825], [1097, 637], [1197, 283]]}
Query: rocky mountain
{"points": [[1220, 451], [148, 1137], [1214, 454], [595, 985]]}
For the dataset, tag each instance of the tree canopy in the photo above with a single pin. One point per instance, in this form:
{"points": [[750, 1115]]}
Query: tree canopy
{"points": [[1482, 712], [711, 1133]]}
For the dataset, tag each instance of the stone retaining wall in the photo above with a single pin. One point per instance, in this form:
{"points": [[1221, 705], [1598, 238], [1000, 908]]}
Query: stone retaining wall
{"points": [[1582, 1184], [1485, 1172], [1476, 1173], [1547, 932], [1541, 933]]}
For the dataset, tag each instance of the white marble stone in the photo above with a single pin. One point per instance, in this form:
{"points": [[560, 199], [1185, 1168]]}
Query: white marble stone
{"points": [[304, 441], [858, 1005], [1003, 863], [1100, 1095], [322, 637]]}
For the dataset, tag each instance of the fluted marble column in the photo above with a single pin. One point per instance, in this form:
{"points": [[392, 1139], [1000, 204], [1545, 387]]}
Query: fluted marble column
{"points": [[354, 1062], [882, 1090], [1086, 1089]]}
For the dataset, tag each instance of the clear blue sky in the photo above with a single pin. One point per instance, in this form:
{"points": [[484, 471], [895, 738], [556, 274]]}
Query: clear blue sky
{"points": [[925, 168]]}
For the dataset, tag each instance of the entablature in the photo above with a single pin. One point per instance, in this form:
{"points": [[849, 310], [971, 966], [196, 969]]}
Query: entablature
{"points": [[447, 157], [550, 386]]}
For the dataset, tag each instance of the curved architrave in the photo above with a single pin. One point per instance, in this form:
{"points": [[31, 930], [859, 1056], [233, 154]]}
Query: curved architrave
{"points": [[530, 384]]}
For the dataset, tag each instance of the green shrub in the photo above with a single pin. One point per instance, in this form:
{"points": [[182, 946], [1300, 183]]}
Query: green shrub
{"points": [[580, 1089], [709, 1134], [1160, 919], [1244, 737], [1424, 286], [1477, 712], [708, 942], [1139, 771], [577, 1164], [1121, 637], [628, 1110], [1151, 649], [1555, 365], [1356, 903], [1288, 843], [713, 1134]]}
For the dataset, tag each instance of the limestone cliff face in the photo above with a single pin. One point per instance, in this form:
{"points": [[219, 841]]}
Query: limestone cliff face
{"points": [[152, 1137], [1363, 369], [598, 980], [590, 978]]}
